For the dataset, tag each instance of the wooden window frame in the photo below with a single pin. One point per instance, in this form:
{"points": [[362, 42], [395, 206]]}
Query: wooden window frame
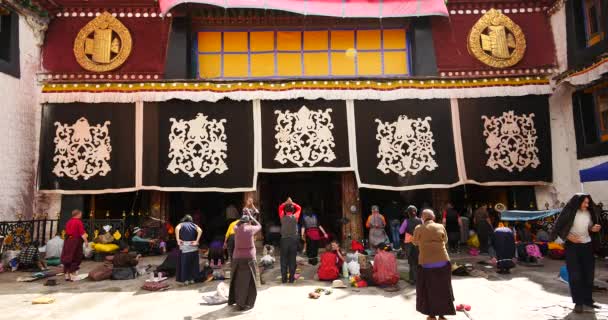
{"points": [[11, 65]]}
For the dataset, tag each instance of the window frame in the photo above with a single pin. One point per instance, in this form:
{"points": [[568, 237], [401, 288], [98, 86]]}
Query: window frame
{"points": [[592, 39], [12, 65], [302, 52], [580, 101]]}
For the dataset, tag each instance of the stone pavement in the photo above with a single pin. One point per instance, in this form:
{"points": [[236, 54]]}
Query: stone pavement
{"points": [[528, 293]]}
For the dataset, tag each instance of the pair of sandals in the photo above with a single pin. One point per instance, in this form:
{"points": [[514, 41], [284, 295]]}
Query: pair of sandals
{"points": [[438, 318]]}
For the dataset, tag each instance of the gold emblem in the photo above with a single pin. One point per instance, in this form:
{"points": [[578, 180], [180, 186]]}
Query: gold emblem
{"points": [[103, 44], [496, 40]]}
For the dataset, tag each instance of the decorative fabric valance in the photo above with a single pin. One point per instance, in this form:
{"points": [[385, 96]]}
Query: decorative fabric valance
{"points": [[506, 140], [200, 146], [87, 148], [332, 8], [405, 144], [304, 135], [221, 146]]}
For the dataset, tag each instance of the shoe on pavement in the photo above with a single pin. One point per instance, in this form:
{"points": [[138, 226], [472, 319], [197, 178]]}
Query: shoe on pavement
{"points": [[588, 309], [578, 308]]}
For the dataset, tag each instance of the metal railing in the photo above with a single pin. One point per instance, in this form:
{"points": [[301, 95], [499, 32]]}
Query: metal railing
{"points": [[40, 230]]}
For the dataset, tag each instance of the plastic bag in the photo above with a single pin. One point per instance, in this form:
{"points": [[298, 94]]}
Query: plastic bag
{"points": [[354, 268], [473, 241]]}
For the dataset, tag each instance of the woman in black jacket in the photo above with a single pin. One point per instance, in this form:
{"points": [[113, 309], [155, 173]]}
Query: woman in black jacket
{"points": [[578, 225]]}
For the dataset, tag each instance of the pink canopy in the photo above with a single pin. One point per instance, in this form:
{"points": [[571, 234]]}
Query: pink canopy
{"points": [[332, 8]]}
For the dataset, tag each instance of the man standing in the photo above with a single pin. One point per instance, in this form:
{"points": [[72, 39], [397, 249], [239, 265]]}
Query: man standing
{"points": [[451, 221], [393, 214], [483, 227], [289, 214], [72, 255]]}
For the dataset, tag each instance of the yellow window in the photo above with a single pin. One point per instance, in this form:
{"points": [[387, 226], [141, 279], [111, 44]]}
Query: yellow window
{"points": [[235, 41], [262, 65], [316, 64], [209, 66], [235, 65], [368, 39], [315, 40], [342, 40], [395, 63], [262, 41], [369, 63], [209, 41], [394, 39], [342, 65], [289, 41], [289, 64]]}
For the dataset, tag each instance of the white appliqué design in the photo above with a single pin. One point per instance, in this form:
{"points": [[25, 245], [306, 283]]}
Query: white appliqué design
{"points": [[406, 146], [304, 138], [81, 150], [511, 141], [197, 146]]}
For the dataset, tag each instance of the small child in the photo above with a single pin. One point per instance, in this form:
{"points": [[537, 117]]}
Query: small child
{"points": [[268, 260]]}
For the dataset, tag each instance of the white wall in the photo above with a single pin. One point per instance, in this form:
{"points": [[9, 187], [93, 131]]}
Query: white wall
{"points": [[566, 166], [18, 127]]}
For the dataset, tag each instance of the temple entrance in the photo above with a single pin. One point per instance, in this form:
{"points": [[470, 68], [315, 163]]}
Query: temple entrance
{"points": [[321, 191]]}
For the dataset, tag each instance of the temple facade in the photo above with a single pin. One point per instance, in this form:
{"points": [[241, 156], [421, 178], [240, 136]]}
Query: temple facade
{"points": [[162, 108]]}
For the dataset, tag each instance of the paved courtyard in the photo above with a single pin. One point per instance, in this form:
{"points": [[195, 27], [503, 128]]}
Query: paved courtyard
{"points": [[528, 293]]}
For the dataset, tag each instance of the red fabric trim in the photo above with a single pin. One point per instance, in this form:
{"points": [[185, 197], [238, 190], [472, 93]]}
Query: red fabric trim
{"points": [[450, 37], [148, 53]]}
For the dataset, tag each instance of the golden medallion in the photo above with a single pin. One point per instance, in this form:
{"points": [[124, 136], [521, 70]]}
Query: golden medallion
{"points": [[103, 44], [496, 40]]}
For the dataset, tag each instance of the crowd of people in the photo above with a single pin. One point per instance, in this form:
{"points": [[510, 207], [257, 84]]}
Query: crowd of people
{"points": [[425, 238]]}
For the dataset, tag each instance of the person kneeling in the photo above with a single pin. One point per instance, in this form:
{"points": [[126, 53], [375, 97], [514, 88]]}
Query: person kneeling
{"points": [[124, 264], [331, 263], [503, 242]]}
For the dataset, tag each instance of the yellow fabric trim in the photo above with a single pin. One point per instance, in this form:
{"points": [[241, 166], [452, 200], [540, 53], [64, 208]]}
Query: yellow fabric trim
{"points": [[290, 85]]}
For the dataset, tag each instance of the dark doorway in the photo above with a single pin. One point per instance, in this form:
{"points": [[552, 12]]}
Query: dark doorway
{"points": [[208, 209], [319, 190]]}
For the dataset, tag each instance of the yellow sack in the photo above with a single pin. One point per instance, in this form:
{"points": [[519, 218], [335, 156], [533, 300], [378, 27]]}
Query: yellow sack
{"points": [[553, 246], [473, 241], [105, 248]]}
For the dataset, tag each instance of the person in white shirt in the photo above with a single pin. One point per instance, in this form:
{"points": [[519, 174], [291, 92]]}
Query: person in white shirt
{"points": [[578, 225]]}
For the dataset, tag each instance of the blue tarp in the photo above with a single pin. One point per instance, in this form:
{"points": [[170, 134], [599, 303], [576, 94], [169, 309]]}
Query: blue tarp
{"points": [[597, 173], [520, 215]]}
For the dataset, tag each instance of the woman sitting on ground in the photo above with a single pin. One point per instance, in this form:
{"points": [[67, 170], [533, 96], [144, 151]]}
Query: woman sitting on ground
{"points": [[331, 263], [124, 264], [385, 267]]}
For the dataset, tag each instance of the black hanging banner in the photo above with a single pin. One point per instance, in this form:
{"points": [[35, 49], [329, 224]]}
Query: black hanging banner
{"points": [[87, 148], [304, 135], [506, 140], [199, 146], [405, 144]]}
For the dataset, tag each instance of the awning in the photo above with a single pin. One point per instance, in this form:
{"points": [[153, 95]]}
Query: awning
{"points": [[597, 173], [332, 8], [520, 215]]}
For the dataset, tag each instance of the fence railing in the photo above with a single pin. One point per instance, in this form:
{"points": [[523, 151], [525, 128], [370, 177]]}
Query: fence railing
{"points": [[40, 230]]}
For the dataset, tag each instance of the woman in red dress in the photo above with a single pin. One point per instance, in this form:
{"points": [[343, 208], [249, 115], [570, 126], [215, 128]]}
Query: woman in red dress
{"points": [[75, 236]]}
